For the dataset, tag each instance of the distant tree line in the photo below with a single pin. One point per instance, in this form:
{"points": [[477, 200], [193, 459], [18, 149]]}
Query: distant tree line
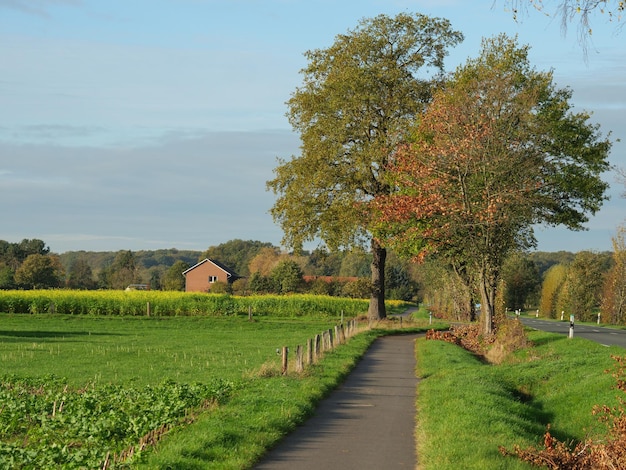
{"points": [[582, 283], [29, 265], [263, 268]]}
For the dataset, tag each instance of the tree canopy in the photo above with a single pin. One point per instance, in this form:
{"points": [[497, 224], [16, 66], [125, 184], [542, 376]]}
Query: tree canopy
{"points": [[359, 98], [498, 150]]}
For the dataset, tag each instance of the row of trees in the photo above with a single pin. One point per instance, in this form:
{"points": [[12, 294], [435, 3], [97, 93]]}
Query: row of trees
{"points": [[29, 264], [583, 283], [264, 268], [588, 286], [456, 169]]}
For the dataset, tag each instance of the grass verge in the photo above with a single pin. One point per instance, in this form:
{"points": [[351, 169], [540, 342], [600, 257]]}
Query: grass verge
{"points": [[264, 410], [467, 408]]}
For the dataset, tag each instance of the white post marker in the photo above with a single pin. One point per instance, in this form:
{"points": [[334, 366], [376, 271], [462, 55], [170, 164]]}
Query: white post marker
{"points": [[571, 326], [537, 314], [598, 318]]}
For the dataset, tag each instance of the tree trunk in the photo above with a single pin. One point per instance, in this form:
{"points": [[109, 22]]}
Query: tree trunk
{"points": [[472, 308], [488, 303], [377, 309]]}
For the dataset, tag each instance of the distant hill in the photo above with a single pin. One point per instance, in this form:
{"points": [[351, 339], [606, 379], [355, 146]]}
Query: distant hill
{"points": [[147, 261]]}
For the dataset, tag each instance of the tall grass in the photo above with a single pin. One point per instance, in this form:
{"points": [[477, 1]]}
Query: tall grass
{"points": [[172, 303]]}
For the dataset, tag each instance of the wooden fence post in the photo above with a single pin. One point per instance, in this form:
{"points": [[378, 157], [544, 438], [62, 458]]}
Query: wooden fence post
{"points": [[285, 360], [328, 340], [317, 347], [309, 351], [337, 337], [148, 309]]}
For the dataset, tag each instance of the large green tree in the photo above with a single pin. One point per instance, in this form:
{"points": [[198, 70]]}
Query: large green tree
{"points": [[286, 277], [80, 275], [14, 254], [40, 272], [123, 271], [358, 99], [585, 278], [498, 151], [521, 281], [614, 292], [174, 279]]}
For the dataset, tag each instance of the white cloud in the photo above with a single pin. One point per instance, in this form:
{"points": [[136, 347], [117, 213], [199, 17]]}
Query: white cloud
{"points": [[181, 192]]}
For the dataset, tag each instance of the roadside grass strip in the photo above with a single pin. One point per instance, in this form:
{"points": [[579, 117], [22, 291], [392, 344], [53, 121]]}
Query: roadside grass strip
{"points": [[467, 409]]}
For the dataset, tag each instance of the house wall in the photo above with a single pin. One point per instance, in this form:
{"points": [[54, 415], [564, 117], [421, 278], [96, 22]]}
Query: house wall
{"points": [[197, 280]]}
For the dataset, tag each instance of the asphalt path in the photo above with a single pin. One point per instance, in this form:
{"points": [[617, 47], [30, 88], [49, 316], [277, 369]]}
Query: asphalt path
{"points": [[368, 423], [604, 336]]}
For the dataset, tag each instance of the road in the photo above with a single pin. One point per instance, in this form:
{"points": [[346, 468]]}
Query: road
{"points": [[604, 336]]}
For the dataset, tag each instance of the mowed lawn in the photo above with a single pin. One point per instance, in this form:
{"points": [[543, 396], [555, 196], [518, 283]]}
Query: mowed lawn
{"points": [[146, 350]]}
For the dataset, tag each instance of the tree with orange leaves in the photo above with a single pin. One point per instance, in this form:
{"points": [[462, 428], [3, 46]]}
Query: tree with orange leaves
{"points": [[497, 151]]}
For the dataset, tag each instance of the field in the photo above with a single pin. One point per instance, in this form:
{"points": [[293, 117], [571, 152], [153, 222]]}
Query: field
{"points": [[205, 391], [170, 303], [91, 391]]}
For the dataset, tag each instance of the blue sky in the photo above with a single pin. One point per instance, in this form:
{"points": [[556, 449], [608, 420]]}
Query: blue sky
{"points": [[146, 124]]}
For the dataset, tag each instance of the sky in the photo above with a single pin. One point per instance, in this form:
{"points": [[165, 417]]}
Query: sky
{"points": [[149, 124]]}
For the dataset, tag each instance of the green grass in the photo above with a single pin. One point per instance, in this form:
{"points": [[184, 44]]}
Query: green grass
{"points": [[467, 409], [237, 434], [117, 378], [422, 316], [122, 368], [143, 350]]}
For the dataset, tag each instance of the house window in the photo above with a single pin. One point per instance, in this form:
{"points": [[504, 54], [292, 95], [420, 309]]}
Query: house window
{"points": [[212, 279]]}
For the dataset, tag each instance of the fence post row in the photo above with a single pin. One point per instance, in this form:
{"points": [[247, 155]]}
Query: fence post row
{"points": [[315, 347]]}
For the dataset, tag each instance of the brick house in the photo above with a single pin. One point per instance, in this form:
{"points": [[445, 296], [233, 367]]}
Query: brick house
{"points": [[201, 276]]}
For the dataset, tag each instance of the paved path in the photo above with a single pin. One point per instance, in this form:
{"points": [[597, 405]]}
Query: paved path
{"points": [[368, 423]]}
